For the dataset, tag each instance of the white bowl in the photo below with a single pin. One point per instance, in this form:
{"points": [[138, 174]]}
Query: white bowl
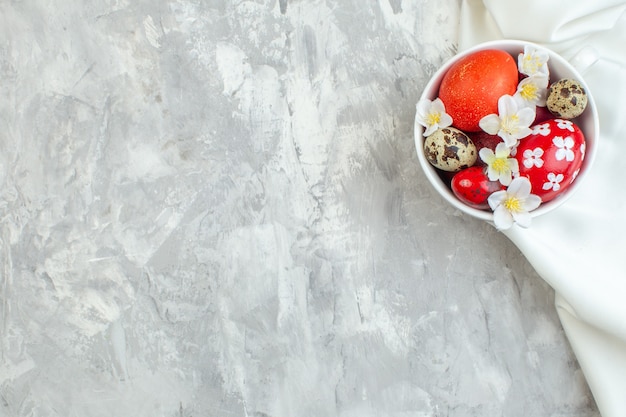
{"points": [[587, 122]]}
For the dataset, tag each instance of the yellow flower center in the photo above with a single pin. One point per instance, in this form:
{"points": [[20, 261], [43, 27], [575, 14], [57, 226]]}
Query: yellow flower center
{"points": [[510, 124], [529, 92], [531, 63], [513, 204], [433, 118], [500, 164]]}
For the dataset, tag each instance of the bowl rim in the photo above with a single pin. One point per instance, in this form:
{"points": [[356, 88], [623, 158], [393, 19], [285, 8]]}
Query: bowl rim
{"points": [[590, 149]]}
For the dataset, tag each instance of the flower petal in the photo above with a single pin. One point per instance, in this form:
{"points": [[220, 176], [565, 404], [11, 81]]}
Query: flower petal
{"points": [[520, 187], [430, 129], [496, 199], [502, 151], [438, 106], [445, 120], [522, 218], [541, 80], [486, 155], [490, 124], [492, 174], [502, 218], [505, 177], [523, 132], [531, 202], [423, 108], [506, 106], [509, 140], [526, 116], [542, 99]]}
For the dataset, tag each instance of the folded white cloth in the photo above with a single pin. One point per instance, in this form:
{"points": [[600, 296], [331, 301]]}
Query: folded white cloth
{"points": [[580, 248]]}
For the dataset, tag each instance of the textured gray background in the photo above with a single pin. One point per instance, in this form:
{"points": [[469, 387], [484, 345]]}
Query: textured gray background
{"points": [[214, 208]]}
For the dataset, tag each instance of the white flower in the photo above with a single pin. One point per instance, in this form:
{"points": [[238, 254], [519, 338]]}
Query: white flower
{"points": [[513, 204], [512, 121], [533, 61], [554, 182], [533, 158], [542, 129], [565, 124], [499, 166], [565, 148], [432, 115], [533, 91]]}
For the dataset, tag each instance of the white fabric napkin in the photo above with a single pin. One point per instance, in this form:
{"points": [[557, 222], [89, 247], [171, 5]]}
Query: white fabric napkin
{"points": [[580, 248]]}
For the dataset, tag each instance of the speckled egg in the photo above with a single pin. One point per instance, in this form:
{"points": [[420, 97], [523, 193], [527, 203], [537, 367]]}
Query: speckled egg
{"points": [[449, 149], [566, 99], [472, 86], [473, 187]]}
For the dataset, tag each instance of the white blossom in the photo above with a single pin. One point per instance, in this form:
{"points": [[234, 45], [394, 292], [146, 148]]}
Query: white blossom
{"points": [[512, 121], [512, 206], [432, 115], [533, 91], [533, 61], [499, 166]]}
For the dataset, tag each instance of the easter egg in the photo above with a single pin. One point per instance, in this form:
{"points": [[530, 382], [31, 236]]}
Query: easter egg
{"points": [[551, 157], [473, 187], [471, 87], [567, 99], [449, 149]]}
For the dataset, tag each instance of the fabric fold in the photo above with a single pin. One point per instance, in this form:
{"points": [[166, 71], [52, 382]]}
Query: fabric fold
{"points": [[579, 248], [602, 358]]}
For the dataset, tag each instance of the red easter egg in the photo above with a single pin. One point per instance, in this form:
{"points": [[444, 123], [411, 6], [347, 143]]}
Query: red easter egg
{"points": [[551, 157], [472, 187], [471, 87]]}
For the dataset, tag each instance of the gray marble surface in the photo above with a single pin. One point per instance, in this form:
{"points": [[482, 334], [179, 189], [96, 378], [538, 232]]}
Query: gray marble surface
{"points": [[214, 208]]}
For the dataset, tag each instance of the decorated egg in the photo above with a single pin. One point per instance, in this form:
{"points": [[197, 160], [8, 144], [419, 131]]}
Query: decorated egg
{"points": [[473, 187], [449, 149], [471, 87], [566, 99], [551, 157]]}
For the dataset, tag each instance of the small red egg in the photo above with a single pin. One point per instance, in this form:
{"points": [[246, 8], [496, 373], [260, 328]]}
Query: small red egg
{"points": [[472, 187], [471, 87]]}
